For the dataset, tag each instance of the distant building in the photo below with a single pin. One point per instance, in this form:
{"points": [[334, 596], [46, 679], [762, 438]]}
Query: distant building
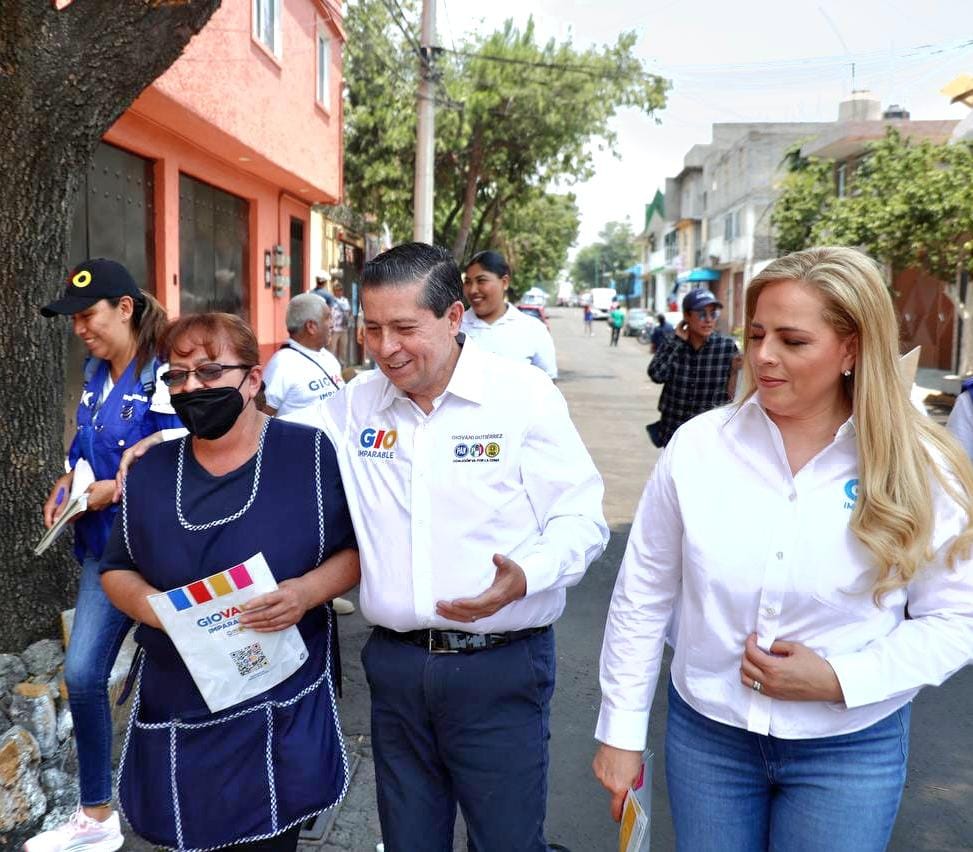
{"points": [[657, 275]]}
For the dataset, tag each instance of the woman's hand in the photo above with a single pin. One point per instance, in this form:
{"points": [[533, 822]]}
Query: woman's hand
{"points": [[790, 672], [129, 457], [57, 501], [101, 494], [617, 770], [276, 610]]}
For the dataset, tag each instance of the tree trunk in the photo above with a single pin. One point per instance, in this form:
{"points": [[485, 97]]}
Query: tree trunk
{"points": [[65, 77], [469, 196]]}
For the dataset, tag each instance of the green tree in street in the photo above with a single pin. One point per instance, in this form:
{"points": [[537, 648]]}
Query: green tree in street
{"points": [[66, 75], [535, 240], [808, 187], [606, 260], [908, 203], [514, 118]]}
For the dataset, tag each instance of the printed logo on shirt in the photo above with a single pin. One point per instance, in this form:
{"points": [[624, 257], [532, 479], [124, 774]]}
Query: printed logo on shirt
{"points": [[851, 492], [128, 412], [476, 448], [324, 388], [377, 443], [134, 397], [87, 398]]}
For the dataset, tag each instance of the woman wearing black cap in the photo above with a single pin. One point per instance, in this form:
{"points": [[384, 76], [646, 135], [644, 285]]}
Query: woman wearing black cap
{"points": [[120, 326]]}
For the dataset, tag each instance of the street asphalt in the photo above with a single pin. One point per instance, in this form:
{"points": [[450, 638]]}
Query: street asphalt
{"points": [[611, 400]]}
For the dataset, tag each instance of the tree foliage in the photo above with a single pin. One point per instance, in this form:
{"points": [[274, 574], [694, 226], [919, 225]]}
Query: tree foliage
{"points": [[603, 262], [806, 191], [514, 118], [908, 203]]}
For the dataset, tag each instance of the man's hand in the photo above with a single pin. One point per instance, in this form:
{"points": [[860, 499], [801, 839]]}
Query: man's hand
{"points": [[57, 501], [791, 672], [101, 494], [276, 610], [617, 770], [129, 457], [509, 584], [682, 330]]}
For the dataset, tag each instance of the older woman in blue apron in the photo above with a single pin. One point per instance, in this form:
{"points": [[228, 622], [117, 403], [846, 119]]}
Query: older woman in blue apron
{"points": [[121, 402], [242, 483]]}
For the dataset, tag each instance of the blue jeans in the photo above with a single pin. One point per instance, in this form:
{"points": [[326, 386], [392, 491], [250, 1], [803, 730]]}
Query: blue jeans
{"points": [[96, 636], [461, 728], [734, 791]]}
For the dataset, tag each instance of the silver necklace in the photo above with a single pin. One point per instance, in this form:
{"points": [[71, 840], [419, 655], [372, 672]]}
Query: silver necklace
{"points": [[186, 525]]}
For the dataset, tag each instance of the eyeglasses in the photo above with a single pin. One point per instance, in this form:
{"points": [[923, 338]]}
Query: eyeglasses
{"points": [[204, 372], [709, 313]]}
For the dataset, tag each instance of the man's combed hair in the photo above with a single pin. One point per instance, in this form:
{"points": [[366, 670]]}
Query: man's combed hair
{"points": [[418, 262], [900, 451]]}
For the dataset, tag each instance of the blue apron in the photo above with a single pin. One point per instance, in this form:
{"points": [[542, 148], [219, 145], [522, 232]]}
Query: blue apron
{"points": [[106, 431], [194, 780]]}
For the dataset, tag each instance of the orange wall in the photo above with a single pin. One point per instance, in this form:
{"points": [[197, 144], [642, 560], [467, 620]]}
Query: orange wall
{"points": [[229, 114], [230, 94], [270, 212]]}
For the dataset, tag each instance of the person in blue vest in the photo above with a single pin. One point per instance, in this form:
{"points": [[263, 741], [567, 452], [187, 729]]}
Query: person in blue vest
{"points": [[121, 402], [242, 483]]}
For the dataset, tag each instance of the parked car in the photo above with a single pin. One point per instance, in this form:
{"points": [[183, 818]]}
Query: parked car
{"points": [[635, 321], [536, 311]]}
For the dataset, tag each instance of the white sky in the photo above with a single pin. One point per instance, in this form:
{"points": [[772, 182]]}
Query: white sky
{"points": [[754, 60]]}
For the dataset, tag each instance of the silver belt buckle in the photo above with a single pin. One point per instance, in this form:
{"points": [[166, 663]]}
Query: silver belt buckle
{"points": [[433, 650]]}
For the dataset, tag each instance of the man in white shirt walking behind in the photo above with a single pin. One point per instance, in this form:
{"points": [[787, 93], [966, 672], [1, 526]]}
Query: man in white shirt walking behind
{"points": [[475, 504], [303, 372]]}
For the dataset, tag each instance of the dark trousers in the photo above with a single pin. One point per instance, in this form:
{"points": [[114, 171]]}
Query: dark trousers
{"points": [[614, 340], [468, 729]]}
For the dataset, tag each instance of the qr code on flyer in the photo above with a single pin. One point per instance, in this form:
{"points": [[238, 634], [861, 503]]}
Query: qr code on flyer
{"points": [[249, 659]]}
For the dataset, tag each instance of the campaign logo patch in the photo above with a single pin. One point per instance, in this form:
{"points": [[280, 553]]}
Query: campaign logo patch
{"points": [[851, 493], [477, 448], [377, 443]]}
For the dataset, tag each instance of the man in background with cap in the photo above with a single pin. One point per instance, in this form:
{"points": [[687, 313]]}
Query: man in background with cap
{"points": [[697, 366]]}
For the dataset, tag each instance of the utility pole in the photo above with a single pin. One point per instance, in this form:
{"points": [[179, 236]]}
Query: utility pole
{"points": [[426, 128]]}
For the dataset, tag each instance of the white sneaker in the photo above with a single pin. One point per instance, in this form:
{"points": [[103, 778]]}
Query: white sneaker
{"points": [[343, 606], [81, 833]]}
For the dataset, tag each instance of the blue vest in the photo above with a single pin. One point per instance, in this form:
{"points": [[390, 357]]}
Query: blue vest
{"points": [[105, 432], [191, 779]]}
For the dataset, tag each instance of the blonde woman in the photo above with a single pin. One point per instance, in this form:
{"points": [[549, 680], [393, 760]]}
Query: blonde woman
{"points": [[838, 506]]}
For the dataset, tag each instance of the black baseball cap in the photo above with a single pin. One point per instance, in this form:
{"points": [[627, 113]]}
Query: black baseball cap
{"points": [[696, 300], [91, 281]]}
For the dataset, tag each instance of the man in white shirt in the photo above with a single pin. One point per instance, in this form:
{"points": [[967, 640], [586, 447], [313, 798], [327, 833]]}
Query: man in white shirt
{"points": [[303, 372], [476, 505]]}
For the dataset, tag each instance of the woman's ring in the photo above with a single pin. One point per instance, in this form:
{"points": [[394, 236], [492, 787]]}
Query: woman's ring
{"points": [[757, 686]]}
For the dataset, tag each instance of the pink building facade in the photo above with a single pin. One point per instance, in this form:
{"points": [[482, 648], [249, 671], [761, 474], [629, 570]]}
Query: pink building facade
{"points": [[204, 186]]}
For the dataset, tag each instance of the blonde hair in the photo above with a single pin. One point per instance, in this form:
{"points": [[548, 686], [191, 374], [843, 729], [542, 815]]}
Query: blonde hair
{"points": [[897, 446]]}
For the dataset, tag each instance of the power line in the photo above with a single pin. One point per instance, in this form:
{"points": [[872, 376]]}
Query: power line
{"points": [[588, 70], [402, 25]]}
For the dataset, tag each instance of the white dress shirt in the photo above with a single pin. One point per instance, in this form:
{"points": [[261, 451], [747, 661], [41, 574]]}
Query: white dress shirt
{"points": [[740, 546], [960, 421], [514, 335], [496, 467], [295, 377]]}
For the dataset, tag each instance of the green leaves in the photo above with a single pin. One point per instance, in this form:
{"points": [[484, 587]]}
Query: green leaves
{"points": [[596, 265], [515, 118], [908, 203]]}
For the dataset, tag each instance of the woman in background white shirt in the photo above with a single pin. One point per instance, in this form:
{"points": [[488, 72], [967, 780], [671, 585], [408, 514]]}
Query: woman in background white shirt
{"points": [[790, 531], [495, 324]]}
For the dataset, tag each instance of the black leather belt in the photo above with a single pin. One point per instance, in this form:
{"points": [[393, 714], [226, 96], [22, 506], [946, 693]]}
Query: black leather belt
{"points": [[458, 641]]}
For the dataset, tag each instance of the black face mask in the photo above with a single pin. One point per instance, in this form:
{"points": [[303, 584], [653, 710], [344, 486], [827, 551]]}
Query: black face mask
{"points": [[209, 413]]}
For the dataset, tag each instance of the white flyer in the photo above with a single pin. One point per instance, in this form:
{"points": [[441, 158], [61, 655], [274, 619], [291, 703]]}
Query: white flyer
{"points": [[228, 663]]}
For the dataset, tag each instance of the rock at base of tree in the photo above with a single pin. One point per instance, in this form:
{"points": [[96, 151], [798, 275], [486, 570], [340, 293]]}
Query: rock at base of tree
{"points": [[12, 671], [61, 790], [43, 658], [65, 724], [33, 708], [22, 800]]}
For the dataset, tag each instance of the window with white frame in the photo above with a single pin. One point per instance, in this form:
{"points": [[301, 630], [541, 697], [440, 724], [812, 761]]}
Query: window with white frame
{"points": [[323, 85], [266, 24]]}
